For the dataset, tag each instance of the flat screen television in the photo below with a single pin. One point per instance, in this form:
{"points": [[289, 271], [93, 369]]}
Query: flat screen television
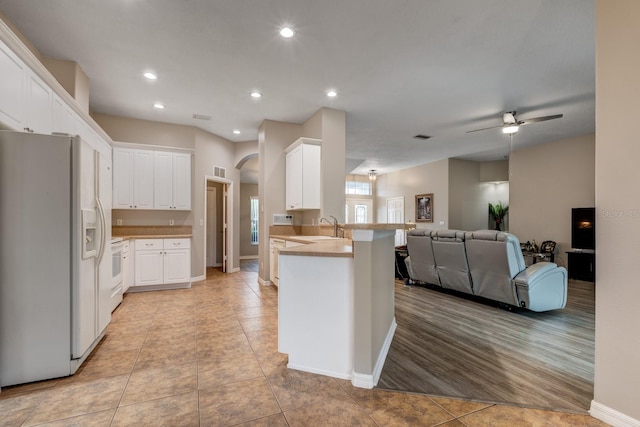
{"points": [[583, 228]]}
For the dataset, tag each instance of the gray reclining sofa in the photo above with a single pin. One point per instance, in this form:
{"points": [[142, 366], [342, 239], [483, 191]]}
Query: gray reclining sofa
{"points": [[487, 264]]}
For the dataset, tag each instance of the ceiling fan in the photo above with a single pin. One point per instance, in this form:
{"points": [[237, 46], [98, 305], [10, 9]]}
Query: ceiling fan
{"points": [[510, 124]]}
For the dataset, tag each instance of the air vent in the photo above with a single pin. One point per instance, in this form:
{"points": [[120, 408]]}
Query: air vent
{"points": [[201, 117], [219, 172], [420, 136]]}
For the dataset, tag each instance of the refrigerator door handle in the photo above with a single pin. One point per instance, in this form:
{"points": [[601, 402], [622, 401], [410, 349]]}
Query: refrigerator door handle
{"points": [[103, 224]]}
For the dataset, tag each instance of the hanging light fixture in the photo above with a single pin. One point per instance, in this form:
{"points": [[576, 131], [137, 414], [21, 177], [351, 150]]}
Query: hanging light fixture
{"points": [[372, 175]]}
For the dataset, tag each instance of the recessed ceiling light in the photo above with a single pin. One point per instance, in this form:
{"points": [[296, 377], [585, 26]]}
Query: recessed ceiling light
{"points": [[158, 106], [151, 76], [256, 94], [287, 32], [236, 132], [332, 93]]}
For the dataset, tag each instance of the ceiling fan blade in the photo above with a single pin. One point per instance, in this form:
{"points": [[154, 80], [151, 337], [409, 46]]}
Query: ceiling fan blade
{"points": [[478, 130], [540, 119]]}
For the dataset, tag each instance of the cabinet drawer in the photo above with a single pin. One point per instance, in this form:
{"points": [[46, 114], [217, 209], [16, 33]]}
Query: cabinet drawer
{"points": [[142, 244], [177, 243]]}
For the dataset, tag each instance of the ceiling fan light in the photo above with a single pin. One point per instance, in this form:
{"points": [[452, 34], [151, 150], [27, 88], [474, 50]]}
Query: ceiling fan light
{"points": [[510, 129]]}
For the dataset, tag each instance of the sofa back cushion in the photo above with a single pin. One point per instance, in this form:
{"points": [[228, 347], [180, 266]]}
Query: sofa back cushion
{"points": [[495, 258], [451, 259], [423, 265]]}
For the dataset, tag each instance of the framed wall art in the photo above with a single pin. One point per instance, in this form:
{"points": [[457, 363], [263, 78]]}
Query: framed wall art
{"points": [[424, 207]]}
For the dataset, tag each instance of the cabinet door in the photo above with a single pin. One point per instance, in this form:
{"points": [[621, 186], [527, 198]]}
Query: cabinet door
{"points": [[182, 181], [63, 120], [39, 105], [12, 89], [122, 178], [272, 262], [311, 163], [177, 266], [149, 267], [143, 179], [162, 180], [294, 179]]}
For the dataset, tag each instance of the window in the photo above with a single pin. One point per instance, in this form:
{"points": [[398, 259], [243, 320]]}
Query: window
{"points": [[254, 220], [361, 214], [362, 188], [358, 211]]}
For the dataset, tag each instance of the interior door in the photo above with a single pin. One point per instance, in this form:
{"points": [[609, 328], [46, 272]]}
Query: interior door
{"points": [[225, 199], [395, 215], [212, 229]]}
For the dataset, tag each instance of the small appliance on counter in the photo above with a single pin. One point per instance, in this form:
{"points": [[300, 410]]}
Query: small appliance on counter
{"points": [[282, 219]]}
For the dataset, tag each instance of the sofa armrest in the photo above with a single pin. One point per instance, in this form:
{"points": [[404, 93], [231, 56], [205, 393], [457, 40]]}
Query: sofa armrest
{"points": [[542, 286], [534, 270]]}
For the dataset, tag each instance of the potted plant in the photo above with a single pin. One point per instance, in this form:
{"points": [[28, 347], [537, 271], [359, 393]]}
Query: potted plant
{"points": [[498, 212]]}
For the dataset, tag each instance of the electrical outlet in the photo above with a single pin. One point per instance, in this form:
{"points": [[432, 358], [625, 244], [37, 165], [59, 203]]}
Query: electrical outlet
{"points": [[118, 222], [171, 222], [201, 223]]}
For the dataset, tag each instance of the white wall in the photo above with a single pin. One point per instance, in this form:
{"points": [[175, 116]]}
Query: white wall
{"points": [[617, 369], [469, 196], [407, 183], [546, 181]]}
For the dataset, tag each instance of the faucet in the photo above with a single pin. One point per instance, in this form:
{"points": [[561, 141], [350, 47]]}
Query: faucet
{"points": [[335, 224]]}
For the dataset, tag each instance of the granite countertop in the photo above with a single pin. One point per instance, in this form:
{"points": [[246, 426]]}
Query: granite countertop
{"points": [[127, 232], [156, 236], [320, 248]]}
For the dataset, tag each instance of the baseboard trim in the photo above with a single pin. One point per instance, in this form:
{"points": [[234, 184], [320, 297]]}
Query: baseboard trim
{"points": [[611, 416], [199, 278], [371, 380], [163, 287], [319, 371], [263, 282], [248, 256]]}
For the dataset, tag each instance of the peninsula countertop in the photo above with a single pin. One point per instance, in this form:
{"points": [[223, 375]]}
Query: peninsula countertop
{"points": [[321, 248]]}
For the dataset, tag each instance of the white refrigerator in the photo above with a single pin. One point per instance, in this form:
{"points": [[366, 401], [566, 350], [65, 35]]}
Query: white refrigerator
{"points": [[55, 254]]}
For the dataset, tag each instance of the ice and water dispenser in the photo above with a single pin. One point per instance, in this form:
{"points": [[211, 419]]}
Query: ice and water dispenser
{"points": [[88, 233]]}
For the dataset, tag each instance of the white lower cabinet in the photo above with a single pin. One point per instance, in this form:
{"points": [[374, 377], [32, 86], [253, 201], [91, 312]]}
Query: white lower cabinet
{"points": [[162, 261], [127, 266]]}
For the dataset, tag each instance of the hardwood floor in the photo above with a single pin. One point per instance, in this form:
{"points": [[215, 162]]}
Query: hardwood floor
{"points": [[447, 345]]}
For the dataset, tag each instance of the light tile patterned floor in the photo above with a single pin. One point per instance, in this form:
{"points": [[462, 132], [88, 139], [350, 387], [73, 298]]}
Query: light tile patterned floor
{"points": [[207, 356]]}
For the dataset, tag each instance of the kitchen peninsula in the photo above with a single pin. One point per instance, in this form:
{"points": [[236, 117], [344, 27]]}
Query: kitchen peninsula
{"points": [[336, 304]]}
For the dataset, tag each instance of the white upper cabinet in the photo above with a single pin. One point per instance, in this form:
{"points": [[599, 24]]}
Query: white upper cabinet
{"points": [[132, 179], [303, 164], [31, 100], [163, 180], [182, 181], [12, 89], [39, 103], [172, 180], [142, 179], [148, 179], [64, 119], [25, 100]]}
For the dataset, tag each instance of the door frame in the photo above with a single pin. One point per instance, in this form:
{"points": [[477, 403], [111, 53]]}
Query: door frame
{"points": [[227, 237], [211, 261]]}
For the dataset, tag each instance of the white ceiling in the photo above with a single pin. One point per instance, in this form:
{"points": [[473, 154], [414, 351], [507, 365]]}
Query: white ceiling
{"points": [[401, 68]]}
